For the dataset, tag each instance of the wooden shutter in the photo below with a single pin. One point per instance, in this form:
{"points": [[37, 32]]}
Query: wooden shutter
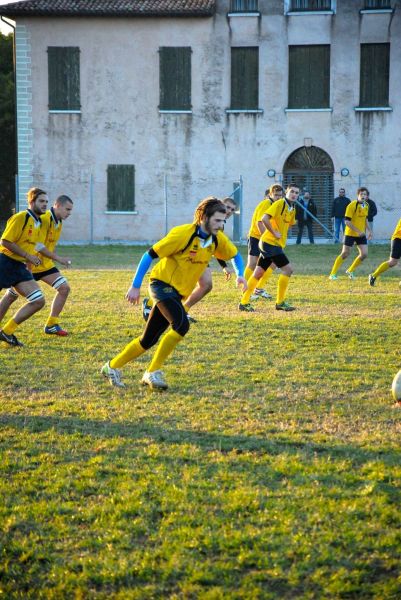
{"points": [[121, 188], [375, 73], [309, 77], [245, 78], [64, 78], [175, 78]]}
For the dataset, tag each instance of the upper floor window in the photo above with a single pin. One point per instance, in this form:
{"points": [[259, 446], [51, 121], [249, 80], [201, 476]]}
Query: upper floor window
{"points": [[310, 5], [309, 76], [374, 75], [64, 78], [121, 188], [245, 78], [243, 6], [175, 78], [377, 4]]}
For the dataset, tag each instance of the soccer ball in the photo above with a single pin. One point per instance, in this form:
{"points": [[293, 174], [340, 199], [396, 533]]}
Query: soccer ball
{"points": [[396, 387]]}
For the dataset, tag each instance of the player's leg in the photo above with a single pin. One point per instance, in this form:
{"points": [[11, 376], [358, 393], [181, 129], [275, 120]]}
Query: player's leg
{"points": [[362, 255], [7, 300], [60, 284], [284, 264], [395, 255], [341, 258], [253, 255], [203, 287], [35, 301]]}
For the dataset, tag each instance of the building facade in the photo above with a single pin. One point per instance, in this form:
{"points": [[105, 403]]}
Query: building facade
{"points": [[138, 110]]}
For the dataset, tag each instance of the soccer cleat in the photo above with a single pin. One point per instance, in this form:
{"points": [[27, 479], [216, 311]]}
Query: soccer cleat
{"points": [[191, 319], [285, 306], [113, 375], [261, 294], [350, 274], [155, 380], [372, 280], [55, 330], [246, 307], [333, 277], [11, 340], [146, 308]]}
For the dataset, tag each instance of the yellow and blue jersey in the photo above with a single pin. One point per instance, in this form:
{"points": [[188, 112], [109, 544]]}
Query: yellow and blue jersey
{"points": [[49, 236], [357, 212], [282, 218], [24, 229]]}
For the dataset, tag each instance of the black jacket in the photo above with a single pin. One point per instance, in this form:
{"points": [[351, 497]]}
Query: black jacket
{"points": [[339, 206], [372, 210], [300, 214]]}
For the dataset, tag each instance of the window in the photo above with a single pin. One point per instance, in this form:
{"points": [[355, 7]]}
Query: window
{"points": [[308, 5], [377, 4], [245, 78], [63, 73], [175, 79], [121, 188], [243, 6], [309, 77], [375, 71]]}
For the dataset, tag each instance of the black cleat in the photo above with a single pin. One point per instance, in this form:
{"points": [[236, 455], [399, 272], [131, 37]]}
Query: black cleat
{"points": [[372, 280], [11, 340]]}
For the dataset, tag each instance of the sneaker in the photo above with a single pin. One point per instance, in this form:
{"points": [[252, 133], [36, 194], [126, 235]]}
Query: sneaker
{"points": [[285, 306], [55, 330], [146, 308], [350, 274], [333, 277], [246, 307], [10, 339], [191, 319], [155, 380], [113, 375], [372, 280], [261, 294]]}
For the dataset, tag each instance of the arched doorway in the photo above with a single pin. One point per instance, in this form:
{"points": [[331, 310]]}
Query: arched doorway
{"points": [[312, 169]]}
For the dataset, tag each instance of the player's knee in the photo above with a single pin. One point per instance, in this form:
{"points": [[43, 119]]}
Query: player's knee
{"points": [[36, 299], [393, 262], [11, 296], [207, 287], [64, 290], [182, 327]]}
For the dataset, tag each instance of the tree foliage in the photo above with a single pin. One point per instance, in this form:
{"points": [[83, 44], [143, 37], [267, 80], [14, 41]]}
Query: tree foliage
{"points": [[7, 127]]}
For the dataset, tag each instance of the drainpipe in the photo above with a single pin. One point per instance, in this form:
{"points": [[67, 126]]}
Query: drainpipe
{"points": [[10, 24]]}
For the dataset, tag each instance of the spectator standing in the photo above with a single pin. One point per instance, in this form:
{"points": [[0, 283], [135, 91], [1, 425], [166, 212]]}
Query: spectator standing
{"points": [[338, 213], [304, 218], [372, 212]]}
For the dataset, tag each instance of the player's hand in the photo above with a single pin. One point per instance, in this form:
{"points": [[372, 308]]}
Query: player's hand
{"points": [[132, 295], [241, 282], [34, 259], [65, 261], [277, 235], [370, 235], [227, 273]]}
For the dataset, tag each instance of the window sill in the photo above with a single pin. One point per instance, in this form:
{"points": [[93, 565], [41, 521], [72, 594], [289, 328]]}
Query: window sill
{"points": [[308, 110], [373, 109], [309, 12], [65, 112], [253, 111], [244, 14], [375, 11], [165, 111], [120, 212]]}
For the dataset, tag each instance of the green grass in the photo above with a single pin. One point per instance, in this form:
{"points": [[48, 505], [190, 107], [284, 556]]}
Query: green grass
{"points": [[270, 469]]}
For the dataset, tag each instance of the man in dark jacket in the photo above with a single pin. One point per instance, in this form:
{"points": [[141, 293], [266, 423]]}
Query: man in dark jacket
{"points": [[338, 212], [304, 218], [372, 212]]}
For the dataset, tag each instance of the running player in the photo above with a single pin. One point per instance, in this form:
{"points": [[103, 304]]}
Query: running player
{"points": [[278, 218], [18, 243], [357, 231], [184, 254], [395, 255]]}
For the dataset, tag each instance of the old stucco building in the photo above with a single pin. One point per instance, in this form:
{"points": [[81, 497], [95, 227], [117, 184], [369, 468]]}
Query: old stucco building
{"points": [[140, 108]]}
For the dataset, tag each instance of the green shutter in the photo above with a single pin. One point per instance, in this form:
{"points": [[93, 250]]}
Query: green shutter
{"points": [[309, 77], [64, 78], [375, 73], [121, 188], [245, 78], [175, 78]]}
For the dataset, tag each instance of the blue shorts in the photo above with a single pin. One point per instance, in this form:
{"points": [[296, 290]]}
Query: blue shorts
{"points": [[396, 248], [160, 290], [12, 272], [253, 246], [350, 240]]}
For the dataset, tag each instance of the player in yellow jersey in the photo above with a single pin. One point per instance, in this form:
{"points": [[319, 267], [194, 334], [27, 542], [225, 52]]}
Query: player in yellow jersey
{"points": [[275, 192], [278, 218], [395, 255], [17, 251], [184, 254], [357, 231]]}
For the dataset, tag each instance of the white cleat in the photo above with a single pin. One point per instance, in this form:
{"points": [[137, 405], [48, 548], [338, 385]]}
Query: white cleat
{"points": [[155, 380], [113, 375]]}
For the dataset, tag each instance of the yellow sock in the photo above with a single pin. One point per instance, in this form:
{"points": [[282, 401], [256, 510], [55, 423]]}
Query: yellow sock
{"points": [[354, 265], [10, 327], [263, 280], [252, 283], [248, 273], [51, 321], [282, 286], [337, 264], [381, 269], [131, 351], [164, 349]]}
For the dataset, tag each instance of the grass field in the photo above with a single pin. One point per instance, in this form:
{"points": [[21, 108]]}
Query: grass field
{"points": [[270, 469]]}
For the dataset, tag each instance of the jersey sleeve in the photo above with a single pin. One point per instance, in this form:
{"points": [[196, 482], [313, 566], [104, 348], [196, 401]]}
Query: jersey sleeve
{"points": [[225, 248], [173, 242], [13, 229], [349, 213], [275, 208]]}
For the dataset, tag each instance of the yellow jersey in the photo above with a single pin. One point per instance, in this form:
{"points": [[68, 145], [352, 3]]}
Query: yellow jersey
{"points": [[24, 229], [282, 218], [257, 216], [184, 256], [397, 231], [49, 236], [358, 213]]}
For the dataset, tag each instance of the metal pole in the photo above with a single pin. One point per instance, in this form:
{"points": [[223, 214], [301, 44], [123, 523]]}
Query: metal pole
{"points": [[16, 193], [91, 206], [241, 199], [331, 234], [165, 206]]}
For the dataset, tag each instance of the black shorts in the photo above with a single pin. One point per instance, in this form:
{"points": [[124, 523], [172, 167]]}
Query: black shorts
{"points": [[271, 254], [12, 272], [38, 276], [350, 240], [395, 248], [253, 246], [160, 290]]}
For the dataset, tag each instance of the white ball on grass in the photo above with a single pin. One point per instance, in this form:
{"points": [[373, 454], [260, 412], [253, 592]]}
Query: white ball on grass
{"points": [[396, 387]]}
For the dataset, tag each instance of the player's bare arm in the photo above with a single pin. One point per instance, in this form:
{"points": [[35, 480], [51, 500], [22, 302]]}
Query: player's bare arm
{"points": [[13, 247]]}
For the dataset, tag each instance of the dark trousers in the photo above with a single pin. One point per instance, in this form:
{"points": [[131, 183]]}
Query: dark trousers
{"points": [[301, 226]]}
